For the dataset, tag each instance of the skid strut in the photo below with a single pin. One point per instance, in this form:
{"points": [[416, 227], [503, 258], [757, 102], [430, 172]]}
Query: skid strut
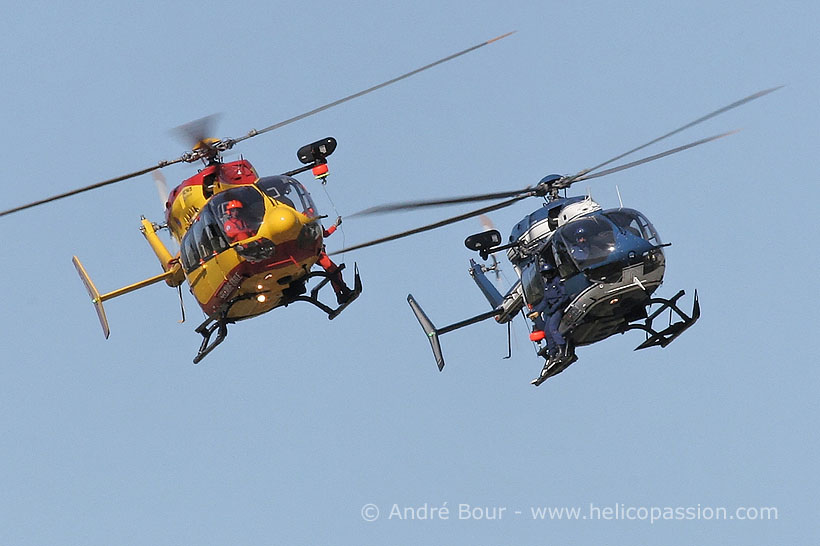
{"points": [[219, 325], [207, 329], [314, 292], [666, 336]]}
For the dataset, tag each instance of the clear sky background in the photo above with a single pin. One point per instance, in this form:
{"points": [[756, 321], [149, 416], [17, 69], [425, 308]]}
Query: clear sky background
{"points": [[289, 428]]}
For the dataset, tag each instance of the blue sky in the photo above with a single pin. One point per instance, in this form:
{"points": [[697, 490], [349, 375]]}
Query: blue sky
{"points": [[295, 423]]}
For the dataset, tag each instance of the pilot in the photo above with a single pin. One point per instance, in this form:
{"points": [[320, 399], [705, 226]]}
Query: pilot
{"points": [[580, 245], [343, 293], [548, 314], [235, 227]]}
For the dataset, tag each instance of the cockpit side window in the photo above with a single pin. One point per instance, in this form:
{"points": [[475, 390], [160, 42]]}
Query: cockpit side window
{"points": [[288, 191], [548, 257], [626, 221], [203, 241], [563, 262], [634, 223], [188, 251], [648, 230]]}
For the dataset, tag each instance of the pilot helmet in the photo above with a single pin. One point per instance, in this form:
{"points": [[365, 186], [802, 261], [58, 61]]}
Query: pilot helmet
{"points": [[580, 235]]}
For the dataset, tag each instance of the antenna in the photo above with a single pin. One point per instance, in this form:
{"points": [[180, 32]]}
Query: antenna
{"points": [[618, 191]]}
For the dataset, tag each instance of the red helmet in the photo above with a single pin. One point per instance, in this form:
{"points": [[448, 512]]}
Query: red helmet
{"points": [[234, 204]]}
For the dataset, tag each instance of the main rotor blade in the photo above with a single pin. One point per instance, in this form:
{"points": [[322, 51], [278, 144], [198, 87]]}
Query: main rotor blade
{"points": [[678, 130], [162, 186], [196, 131], [653, 157], [409, 205], [428, 227], [486, 223], [199, 129], [91, 187], [255, 132]]}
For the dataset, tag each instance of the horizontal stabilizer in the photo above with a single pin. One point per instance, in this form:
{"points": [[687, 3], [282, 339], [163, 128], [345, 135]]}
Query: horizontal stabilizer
{"points": [[429, 329], [95, 295], [434, 333]]}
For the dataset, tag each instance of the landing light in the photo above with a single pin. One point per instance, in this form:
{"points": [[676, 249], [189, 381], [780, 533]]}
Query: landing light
{"points": [[261, 298], [259, 287]]}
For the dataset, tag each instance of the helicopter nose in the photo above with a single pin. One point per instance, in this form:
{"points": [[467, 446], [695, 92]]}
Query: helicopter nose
{"points": [[282, 223]]}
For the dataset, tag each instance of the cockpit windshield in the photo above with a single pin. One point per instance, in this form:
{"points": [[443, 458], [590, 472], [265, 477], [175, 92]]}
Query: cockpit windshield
{"points": [[587, 241], [288, 191], [230, 216], [239, 212]]}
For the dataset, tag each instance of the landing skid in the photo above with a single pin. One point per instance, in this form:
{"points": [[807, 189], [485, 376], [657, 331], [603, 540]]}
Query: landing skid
{"points": [[670, 333], [220, 325], [554, 368], [207, 329], [314, 292]]}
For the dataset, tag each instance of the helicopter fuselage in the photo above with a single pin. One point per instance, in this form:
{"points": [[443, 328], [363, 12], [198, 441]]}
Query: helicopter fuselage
{"points": [[609, 276], [611, 262], [244, 241]]}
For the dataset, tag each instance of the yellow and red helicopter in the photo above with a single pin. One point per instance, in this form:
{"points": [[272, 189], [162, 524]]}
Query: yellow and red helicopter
{"points": [[248, 244]]}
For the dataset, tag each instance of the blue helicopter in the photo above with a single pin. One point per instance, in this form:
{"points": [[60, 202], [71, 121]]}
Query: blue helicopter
{"points": [[584, 273]]}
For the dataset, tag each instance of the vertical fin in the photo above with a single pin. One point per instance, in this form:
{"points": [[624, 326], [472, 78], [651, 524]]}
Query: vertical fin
{"points": [[485, 285]]}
